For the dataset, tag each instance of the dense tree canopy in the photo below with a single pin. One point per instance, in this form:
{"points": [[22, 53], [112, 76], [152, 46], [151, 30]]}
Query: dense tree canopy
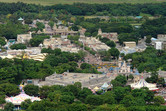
{"points": [[2, 41], [149, 60], [18, 46]]}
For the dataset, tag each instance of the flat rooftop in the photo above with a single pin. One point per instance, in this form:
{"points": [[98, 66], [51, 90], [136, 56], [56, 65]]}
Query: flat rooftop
{"points": [[87, 80]]}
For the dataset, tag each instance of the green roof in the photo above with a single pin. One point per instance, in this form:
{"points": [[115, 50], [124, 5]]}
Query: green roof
{"points": [[20, 19]]}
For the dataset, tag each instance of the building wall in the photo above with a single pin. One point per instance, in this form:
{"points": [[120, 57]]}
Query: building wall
{"points": [[130, 44], [23, 38]]}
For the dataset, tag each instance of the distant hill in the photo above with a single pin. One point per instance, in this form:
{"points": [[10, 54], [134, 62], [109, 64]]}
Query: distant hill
{"points": [[52, 2]]}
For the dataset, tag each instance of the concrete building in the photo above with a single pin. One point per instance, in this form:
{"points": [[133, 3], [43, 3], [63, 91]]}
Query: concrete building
{"points": [[94, 44], [164, 45], [130, 44], [62, 43], [24, 38], [160, 42], [161, 36], [87, 80], [158, 45], [62, 30], [112, 35]]}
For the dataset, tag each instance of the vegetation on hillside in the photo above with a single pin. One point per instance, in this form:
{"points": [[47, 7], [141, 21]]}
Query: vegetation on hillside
{"points": [[75, 98]]}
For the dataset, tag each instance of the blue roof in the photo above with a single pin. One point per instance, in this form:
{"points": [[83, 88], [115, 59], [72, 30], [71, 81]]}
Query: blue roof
{"points": [[131, 70], [153, 39], [128, 64], [111, 68], [136, 72], [122, 63], [117, 68]]}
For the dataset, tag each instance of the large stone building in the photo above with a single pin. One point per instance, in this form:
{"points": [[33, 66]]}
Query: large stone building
{"points": [[94, 44], [63, 44], [161, 36], [112, 35], [62, 30], [24, 38]]}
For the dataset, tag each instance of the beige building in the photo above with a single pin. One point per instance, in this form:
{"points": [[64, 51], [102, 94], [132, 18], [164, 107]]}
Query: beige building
{"points": [[62, 30], [130, 44], [161, 36], [24, 38], [63, 44], [56, 43], [94, 44], [112, 35]]}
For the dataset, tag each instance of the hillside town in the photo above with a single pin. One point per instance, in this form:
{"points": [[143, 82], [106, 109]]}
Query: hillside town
{"points": [[77, 61]]}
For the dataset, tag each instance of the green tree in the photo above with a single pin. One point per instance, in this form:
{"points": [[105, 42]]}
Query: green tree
{"points": [[44, 91], [72, 88], [119, 93], [121, 79], [94, 100], [128, 101], [40, 26], [131, 77], [37, 106], [78, 85], [31, 90], [77, 107], [67, 99], [28, 21], [85, 66], [18, 46], [37, 39], [136, 108], [9, 107], [111, 43], [51, 24], [75, 27], [109, 97], [26, 104], [119, 108], [2, 99], [148, 39], [2, 41], [158, 100], [114, 52], [55, 96], [9, 89], [84, 93], [116, 83]]}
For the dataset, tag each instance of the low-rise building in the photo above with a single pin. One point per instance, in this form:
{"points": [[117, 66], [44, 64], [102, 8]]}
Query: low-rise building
{"points": [[94, 44], [24, 38], [111, 35], [130, 44], [161, 36], [62, 43], [62, 30]]}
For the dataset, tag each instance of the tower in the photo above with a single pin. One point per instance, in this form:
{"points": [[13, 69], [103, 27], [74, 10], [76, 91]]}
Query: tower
{"points": [[119, 62], [99, 31], [54, 27]]}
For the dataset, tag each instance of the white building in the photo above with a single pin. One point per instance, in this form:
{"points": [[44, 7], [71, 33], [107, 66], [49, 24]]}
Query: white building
{"points": [[158, 45]]}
